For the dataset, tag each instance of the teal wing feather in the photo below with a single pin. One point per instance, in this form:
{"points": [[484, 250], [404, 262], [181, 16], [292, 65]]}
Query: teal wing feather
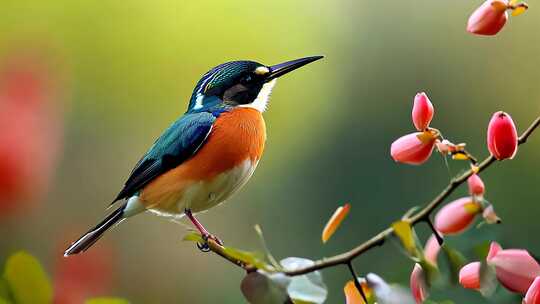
{"points": [[177, 144]]}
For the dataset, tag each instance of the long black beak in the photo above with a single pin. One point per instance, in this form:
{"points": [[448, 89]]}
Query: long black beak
{"points": [[286, 67]]}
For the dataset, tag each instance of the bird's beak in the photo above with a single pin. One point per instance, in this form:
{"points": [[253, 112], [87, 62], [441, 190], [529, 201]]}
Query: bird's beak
{"points": [[286, 67]]}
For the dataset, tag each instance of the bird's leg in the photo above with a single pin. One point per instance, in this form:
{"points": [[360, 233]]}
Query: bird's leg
{"points": [[204, 233]]}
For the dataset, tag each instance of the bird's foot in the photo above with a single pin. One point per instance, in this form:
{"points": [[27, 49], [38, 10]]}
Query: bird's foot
{"points": [[204, 247]]}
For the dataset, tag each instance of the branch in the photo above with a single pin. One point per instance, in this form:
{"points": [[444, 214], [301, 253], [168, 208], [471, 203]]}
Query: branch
{"points": [[346, 258]]}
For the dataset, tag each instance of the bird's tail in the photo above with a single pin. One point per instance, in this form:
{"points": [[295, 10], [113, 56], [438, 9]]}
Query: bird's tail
{"points": [[92, 236]]}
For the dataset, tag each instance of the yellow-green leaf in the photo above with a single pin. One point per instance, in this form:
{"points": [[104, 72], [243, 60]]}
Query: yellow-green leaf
{"points": [[27, 280], [334, 222], [519, 10], [193, 237], [106, 301], [4, 289], [246, 257], [3, 301], [403, 230]]}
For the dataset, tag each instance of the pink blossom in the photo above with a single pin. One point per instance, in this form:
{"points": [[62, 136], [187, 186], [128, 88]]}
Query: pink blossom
{"points": [[422, 111], [414, 148], [476, 185], [418, 284], [489, 18], [494, 248], [533, 294], [502, 138], [456, 216], [469, 275], [516, 269], [431, 250]]}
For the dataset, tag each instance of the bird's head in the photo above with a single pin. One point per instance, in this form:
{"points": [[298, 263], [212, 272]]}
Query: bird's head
{"points": [[240, 84]]}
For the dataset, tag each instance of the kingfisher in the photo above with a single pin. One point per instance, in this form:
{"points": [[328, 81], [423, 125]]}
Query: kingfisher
{"points": [[206, 155]]}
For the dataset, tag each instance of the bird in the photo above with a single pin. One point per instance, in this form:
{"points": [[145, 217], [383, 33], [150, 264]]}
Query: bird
{"points": [[206, 155]]}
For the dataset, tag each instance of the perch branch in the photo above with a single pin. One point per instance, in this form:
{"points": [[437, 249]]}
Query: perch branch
{"points": [[423, 214]]}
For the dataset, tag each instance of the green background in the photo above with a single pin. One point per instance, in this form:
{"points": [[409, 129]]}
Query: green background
{"points": [[131, 66]]}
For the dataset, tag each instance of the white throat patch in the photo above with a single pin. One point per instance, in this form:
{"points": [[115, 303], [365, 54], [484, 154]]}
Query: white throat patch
{"points": [[261, 102]]}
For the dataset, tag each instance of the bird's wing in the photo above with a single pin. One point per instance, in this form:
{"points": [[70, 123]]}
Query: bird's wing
{"points": [[177, 144]]}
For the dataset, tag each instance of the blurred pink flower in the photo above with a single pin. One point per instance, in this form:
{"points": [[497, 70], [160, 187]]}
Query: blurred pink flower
{"points": [[457, 216], [533, 294], [502, 138], [476, 185], [431, 250], [469, 275], [414, 148], [418, 284], [516, 269], [489, 18], [31, 136], [422, 112]]}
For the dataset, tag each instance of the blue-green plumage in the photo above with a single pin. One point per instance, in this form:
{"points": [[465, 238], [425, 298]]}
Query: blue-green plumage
{"points": [[179, 142]]}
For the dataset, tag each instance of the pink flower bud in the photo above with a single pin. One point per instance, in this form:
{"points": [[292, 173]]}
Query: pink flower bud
{"points": [[502, 138], [418, 284], [489, 18], [476, 185], [490, 216], [469, 275], [533, 294], [456, 216], [494, 248], [422, 111], [516, 269], [414, 148], [431, 250]]}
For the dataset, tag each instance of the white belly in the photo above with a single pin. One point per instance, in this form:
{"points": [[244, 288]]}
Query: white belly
{"points": [[203, 195]]}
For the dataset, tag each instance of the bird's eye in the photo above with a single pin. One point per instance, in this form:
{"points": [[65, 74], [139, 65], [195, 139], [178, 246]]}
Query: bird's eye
{"points": [[247, 79]]}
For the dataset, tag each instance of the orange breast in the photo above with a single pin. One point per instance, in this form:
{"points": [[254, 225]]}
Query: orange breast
{"points": [[235, 136]]}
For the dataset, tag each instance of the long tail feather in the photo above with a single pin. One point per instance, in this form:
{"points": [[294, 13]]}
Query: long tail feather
{"points": [[92, 236]]}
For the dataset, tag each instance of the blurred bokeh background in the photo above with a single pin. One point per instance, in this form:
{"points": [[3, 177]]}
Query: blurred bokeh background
{"points": [[86, 86]]}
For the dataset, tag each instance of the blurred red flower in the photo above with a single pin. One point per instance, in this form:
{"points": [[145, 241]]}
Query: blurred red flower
{"points": [[31, 130]]}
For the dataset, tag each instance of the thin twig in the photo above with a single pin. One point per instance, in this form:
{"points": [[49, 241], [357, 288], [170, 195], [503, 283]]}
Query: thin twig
{"points": [[356, 281]]}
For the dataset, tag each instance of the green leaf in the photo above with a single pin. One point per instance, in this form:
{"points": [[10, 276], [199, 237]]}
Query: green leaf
{"points": [[431, 271], [193, 237], [259, 287], [269, 255], [27, 280], [434, 302], [251, 258], [308, 288], [5, 293], [106, 301], [3, 301], [488, 279], [403, 230], [456, 260]]}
